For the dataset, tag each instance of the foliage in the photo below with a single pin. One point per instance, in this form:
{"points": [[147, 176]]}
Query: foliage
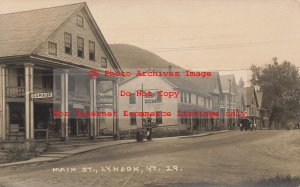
{"points": [[275, 80]]}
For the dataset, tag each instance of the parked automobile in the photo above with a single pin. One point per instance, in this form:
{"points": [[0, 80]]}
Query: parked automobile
{"points": [[247, 124]]}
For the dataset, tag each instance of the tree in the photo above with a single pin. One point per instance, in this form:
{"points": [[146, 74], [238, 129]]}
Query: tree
{"points": [[275, 80], [241, 83]]}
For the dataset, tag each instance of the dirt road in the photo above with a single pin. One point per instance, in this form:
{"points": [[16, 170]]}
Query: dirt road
{"points": [[222, 159]]}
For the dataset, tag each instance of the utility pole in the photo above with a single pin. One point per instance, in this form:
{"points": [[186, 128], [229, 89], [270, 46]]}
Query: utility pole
{"points": [[142, 105], [229, 100]]}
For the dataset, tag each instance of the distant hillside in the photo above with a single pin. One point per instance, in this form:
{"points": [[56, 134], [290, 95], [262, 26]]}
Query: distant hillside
{"points": [[132, 58]]}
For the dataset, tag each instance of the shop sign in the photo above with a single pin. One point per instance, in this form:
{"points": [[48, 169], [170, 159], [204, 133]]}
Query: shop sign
{"points": [[151, 98], [41, 95], [79, 106]]}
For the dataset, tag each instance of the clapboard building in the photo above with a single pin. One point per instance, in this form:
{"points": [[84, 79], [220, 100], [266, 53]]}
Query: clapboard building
{"points": [[45, 59], [195, 95]]}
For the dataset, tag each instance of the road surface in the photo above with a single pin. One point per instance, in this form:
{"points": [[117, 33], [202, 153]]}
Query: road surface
{"points": [[222, 159]]}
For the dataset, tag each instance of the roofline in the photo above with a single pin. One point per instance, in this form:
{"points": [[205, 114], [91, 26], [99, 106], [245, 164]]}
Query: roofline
{"points": [[56, 30], [167, 81], [98, 34], [107, 49], [41, 8]]}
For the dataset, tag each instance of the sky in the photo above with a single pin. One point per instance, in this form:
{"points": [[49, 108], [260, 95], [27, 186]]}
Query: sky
{"points": [[226, 35]]}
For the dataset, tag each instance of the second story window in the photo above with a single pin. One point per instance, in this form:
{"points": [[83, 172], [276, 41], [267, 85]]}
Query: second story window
{"points": [[190, 98], [181, 97], [185, 100], [68, 43], [103, 62], [80, 47], [159, 98], [132, 99], [79, 21], [92, 50], [52, 48]]}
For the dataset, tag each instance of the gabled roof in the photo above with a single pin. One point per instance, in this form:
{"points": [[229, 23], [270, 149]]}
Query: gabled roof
{"points": [[207, 84], [225, 83], [183, 83], [22, 33], [250, 91], [240, 97]]}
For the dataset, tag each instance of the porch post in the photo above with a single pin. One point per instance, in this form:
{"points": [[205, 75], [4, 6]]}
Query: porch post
{"points": [[116, 109], [3, 101], [29, 118], [93, 99], [65, 104], [31, 77]]}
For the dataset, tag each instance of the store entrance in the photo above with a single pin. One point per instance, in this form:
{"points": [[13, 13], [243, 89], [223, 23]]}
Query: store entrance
{"points": [[42, 119]]}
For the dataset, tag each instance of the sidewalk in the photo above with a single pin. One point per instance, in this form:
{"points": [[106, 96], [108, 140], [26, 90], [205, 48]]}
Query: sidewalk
{"points": [[54, 156], [58, 155]]}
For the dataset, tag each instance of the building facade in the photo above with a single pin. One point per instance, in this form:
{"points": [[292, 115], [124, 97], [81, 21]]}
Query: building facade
{"points": [[228, 99], [193, 108], [46, 63], [252, 106]]}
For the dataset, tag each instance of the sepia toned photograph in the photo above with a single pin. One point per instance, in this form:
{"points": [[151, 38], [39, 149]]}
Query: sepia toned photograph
{"points": [[150, 93]]}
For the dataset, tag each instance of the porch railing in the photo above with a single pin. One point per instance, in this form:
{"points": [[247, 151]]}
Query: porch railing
{"points": [[15, 92]]}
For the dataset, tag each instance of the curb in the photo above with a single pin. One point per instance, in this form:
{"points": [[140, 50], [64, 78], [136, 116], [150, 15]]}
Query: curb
{"points": [[43, 159]]}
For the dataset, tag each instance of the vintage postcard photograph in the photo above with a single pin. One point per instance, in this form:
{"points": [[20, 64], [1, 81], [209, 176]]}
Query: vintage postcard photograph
{"points": [[150, 93]]}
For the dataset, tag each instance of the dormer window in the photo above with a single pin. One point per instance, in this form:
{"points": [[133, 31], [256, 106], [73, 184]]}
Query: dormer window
{"points": [[80, 47], [92, 50], [68, 43], [79, 21]]}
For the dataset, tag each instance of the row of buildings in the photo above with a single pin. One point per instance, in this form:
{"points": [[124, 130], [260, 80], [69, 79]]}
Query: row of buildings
{"points": [[210, 103], [45, 61]]}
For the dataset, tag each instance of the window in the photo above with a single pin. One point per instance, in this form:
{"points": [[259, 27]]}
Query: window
{"points": [[68, 43], [190, 98], [197, 101], [52, 48], [204, 102], [159, 118], [132, 99], [79, 21], [184, 97], [103, 62], [182, 120], [159, 98], [92, 50], [80, 47], [132, 120], [181, 97]]}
